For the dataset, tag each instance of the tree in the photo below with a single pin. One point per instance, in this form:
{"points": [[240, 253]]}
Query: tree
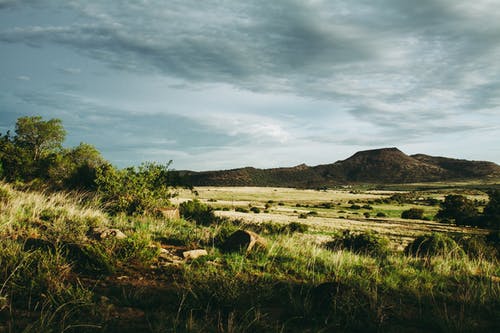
{"points": [[39, 137], [457, 208], [75, 168], [491, 213]]}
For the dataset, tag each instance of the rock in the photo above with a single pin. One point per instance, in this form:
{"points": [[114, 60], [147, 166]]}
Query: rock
{"points": [[194, 254], [103, 233], [243, 240]]}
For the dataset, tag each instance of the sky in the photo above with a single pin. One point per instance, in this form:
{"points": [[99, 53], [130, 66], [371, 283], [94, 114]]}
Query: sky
{"points": [[219, 84]]}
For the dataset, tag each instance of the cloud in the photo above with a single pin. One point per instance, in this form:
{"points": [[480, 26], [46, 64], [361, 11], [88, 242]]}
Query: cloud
{"points": [[280, 72]]}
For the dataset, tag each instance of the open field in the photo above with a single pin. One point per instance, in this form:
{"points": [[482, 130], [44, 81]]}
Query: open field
{"points": [[332, 210]]}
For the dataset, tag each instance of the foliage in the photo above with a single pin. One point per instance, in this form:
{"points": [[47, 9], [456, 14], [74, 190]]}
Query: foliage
{"points": [[255, 210], [457, 208], [434, 244], [35, 154], [39, 137], [133, 190], [195, 210], [491, 214], [367, 243], [413, 213]]}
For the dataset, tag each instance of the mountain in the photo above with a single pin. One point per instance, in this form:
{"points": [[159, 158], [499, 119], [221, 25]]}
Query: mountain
{"points": [[386, 166]]}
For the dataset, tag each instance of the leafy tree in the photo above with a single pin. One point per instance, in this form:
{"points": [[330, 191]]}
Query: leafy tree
{"points": [[491, 213], [76, 168], [39, 137], [457, 208]]}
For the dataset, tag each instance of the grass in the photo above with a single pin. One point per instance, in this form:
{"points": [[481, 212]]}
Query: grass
{"points": [[295, 284]]}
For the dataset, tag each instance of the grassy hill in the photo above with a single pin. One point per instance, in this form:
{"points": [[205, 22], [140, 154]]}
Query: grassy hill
{"points": [[378, 166], [64, 268]]}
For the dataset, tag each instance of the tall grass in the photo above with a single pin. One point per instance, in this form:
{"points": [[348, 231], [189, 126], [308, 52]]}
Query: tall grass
{"points": [[293, 285]]}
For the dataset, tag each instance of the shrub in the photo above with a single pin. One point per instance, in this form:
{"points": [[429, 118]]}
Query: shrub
{"points": [[363, 243], [477, 246], [194, 210], [381, 214], [433, 245], [133, 190], [241, 210], [297, 227], [255, 210], [368, 207], [413, 213], [303, 216], [355, 206], [366, 214]]}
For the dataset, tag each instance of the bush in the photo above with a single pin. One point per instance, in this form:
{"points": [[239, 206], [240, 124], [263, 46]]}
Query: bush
{"points": [[255, 210], [241, 210], [413, 213], [362, 243], [303, 216], [297, 227], [433, 245], [133, 190], [477, 247], [355, 206], [194, 210], [381, 214], [366, 215]]}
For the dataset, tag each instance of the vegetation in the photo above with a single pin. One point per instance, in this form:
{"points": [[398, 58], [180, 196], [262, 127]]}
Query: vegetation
{"points": [[104, 260], [413, 213]]}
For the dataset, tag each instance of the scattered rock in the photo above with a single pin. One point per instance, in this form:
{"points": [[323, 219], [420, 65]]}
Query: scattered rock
{"points": [[243, 240], [103, 233], [194, 254], [170, 256]]}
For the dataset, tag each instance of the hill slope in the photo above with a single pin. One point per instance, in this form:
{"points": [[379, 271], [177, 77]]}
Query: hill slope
{"points": [[386, 165]]}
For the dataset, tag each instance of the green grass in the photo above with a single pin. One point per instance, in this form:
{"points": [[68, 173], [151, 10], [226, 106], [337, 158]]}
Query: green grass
{"points": [[295, 284]]}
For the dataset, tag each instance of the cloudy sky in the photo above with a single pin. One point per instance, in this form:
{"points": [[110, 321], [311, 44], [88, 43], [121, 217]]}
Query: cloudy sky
{"points": [[218, 84]]}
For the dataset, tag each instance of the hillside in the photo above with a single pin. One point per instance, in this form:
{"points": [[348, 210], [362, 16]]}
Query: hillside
{"points": [[381, 166]]}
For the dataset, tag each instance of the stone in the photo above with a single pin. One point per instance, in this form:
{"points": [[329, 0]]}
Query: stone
{"points": [[194, 254], [103, 233], [243, 240]]}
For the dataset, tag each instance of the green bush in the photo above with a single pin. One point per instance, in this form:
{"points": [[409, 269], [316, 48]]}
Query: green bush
{"points": [[255, 210], [133, 190], [433, 245], [194, 210], [241, 210], [297, 227], [381, 214], [363, 243], [413, 213], [477, 247]]}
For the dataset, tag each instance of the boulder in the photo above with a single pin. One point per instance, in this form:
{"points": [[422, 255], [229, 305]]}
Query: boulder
{"points": [[243, 240], [103, 233], [194, 254]]}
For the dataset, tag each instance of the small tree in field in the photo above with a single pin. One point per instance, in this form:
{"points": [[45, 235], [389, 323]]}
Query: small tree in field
{"points": [[457, 208], [491, 214]]}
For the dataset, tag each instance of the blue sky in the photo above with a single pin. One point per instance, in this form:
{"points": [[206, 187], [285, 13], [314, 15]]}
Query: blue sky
{"points": [[221, 84]]}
